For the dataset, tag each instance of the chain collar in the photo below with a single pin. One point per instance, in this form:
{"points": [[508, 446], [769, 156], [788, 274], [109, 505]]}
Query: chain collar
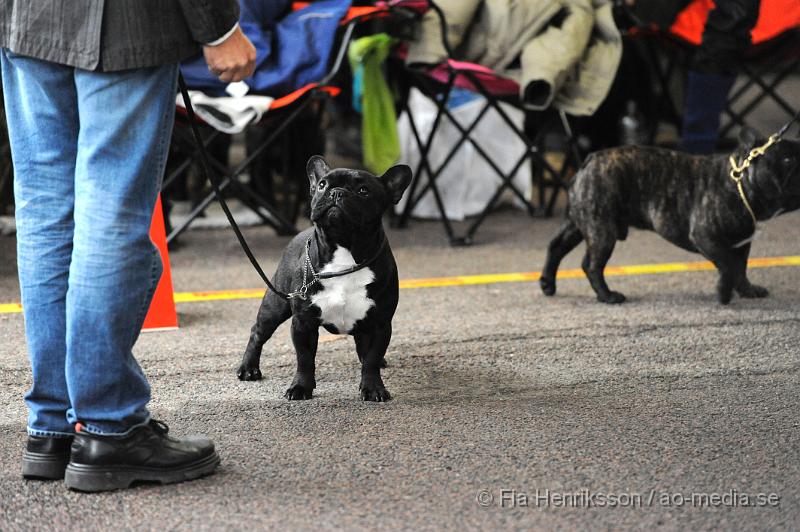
{"points": [[308, 267], [301, 294]]}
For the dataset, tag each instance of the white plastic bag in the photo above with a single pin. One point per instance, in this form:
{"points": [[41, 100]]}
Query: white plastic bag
{"points": [[468, 182]]}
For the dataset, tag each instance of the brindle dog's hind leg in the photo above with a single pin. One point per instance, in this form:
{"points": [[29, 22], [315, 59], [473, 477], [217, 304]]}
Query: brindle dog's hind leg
{"points": [[599, 248], [744, 287], [273, 311], [566, 240]]}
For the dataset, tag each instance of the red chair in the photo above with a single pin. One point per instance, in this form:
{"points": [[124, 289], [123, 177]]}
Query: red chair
{"points": [[765, 69]]}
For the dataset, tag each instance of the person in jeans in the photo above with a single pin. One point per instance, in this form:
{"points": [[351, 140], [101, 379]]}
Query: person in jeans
{"points": [[90, 98]]}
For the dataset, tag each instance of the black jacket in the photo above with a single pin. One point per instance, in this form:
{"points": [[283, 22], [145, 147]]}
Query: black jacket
{"points": [[111, 35]]}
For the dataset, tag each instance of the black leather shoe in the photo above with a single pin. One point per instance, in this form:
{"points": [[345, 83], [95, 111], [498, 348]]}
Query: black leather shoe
{"points": [[147, 454], [45, 458]]}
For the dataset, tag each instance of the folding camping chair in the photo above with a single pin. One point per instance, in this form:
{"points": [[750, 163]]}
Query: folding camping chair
{"points": [[437, 84], [765, 71], [766, 68], [282, 112]]}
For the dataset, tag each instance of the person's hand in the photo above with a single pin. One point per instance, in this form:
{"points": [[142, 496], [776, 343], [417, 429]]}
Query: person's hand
{"points": [[233, 60]]}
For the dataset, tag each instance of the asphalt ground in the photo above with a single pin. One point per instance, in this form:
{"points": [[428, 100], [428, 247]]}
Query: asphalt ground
{"points": [[510, 410]]}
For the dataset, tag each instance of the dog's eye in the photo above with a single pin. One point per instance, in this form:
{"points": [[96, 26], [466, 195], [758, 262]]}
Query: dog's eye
{"points": [[363, 191], [787, 161], [322, 184]]}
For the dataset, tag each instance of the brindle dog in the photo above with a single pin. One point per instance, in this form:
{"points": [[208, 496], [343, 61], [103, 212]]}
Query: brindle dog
{"points": [[689, 200]]}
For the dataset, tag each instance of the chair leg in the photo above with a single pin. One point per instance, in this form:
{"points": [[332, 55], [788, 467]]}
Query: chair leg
{"points": [[507, 183], [485, 156], [197, 211], [258, 205], [453, 151], [401, 220], [246, 195], [250, 197], [425, 164], [532, 155], [433, 176], [768, 90]]}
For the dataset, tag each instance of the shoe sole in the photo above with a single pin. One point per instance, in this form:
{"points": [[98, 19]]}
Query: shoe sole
{"points": [[91, 478], [43, 466]]}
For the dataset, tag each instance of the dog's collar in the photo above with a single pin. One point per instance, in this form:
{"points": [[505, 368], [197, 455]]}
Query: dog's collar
{"points": [[308, 266], [738, 170]]}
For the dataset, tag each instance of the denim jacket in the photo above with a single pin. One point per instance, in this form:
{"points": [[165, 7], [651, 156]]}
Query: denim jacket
{"points": [[112, 35]]}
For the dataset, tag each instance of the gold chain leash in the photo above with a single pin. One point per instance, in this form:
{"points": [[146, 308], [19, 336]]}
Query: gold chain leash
{"points": [[737, 171]]}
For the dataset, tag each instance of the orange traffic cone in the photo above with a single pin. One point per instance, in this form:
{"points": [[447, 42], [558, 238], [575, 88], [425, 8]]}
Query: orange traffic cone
{"points": [[162, 314]]}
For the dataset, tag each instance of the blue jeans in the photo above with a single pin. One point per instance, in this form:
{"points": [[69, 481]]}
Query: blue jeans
{"points": [[89, 151]]}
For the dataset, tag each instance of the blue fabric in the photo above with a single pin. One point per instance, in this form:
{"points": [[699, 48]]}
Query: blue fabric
{"points": [[89, 152], [706, 97], [291, 51]]}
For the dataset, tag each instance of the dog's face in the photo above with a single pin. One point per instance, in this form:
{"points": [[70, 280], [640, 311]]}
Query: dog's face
{"points": [[776, 175], [348, 201]]}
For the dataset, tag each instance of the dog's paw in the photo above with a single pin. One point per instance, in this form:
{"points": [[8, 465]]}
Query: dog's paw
{"points": [[377, 394], [548, 286], [372, 389], [613, 298], [724, 297], [246, 373], [298, 392], [753, 291]]}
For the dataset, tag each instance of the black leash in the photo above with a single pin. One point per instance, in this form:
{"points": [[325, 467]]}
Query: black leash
{"points": [[207, 175], [789, 124]]}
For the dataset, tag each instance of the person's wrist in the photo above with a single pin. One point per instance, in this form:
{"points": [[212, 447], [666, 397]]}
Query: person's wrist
{"points": [[224, 38]]}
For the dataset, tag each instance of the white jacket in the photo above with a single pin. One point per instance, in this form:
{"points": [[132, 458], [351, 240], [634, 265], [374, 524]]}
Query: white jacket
{"points": [[561, 52]]}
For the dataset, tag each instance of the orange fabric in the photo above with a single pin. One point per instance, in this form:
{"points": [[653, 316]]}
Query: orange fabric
{"points": [[290, 98], [162, 314], [356, 12], [353, 12], [774, 18]]}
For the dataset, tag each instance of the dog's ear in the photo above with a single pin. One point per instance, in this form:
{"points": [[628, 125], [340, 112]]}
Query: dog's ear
{"points": [[397, 178], [316, 169], [749, 138]]}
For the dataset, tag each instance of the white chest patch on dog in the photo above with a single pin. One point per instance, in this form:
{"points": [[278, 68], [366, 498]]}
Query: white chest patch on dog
{"points": [[343, 300]]}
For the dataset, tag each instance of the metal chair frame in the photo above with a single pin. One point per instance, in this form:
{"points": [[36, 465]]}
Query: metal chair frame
{"points": [[544, 175], [277, 120]]}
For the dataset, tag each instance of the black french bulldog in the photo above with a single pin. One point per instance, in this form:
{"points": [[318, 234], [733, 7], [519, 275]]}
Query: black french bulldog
{"points": [[347, 207], [689, 200]]}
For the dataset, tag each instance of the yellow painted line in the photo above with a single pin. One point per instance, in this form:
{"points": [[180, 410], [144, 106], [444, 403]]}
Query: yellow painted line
{"points": [[466, 280], [611, 271], [10, 308], [218, 295], [484, 279]]}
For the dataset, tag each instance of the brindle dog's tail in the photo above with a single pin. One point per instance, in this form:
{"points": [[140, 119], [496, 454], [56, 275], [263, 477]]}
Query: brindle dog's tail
{"points": [[565, 241]]}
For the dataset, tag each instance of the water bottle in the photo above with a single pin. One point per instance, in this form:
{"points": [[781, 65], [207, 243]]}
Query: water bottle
{"points": [[632, 128]]}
